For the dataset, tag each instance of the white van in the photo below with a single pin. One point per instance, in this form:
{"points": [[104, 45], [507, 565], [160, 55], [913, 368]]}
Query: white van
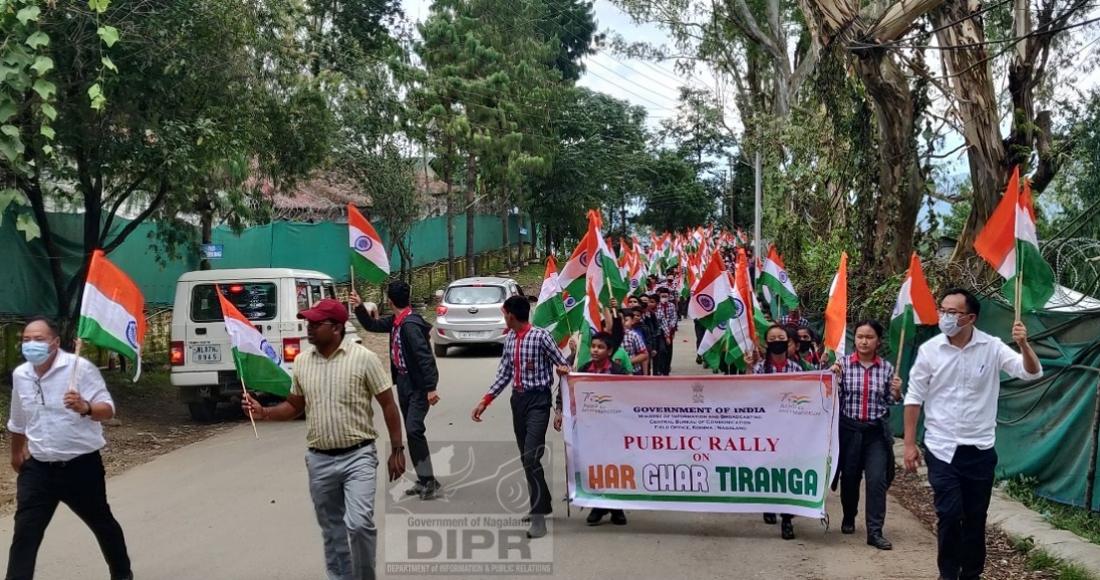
{"points": [[200, 354]]}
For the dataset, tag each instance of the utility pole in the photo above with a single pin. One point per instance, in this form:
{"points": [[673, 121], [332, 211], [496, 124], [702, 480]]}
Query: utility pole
{"points": [[758, 186]]}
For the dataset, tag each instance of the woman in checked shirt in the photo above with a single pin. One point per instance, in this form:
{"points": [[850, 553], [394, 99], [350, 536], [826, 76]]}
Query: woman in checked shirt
{"points": [[868, 386]]}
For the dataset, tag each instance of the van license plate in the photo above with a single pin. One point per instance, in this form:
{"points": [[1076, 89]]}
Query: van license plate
{"points": [[206, 353], [468, 335]]}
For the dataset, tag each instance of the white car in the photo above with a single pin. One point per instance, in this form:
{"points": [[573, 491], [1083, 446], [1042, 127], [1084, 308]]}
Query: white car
{"points": [[471, 312], [200, 354]]}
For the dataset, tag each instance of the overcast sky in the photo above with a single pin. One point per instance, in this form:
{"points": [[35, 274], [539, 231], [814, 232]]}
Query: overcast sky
{"points": [[655, 86]]}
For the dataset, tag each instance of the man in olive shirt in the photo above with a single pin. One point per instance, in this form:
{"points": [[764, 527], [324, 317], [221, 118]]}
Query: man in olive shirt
{"points": [[334, 384]]}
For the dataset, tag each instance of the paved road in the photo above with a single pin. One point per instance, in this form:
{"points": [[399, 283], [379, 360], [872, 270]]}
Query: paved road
{"points": [[235, 508]]}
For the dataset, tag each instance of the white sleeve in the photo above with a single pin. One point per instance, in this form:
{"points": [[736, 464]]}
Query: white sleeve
{"points": [[1012, 363], [91, 385], [920, 376], [17, 420]]}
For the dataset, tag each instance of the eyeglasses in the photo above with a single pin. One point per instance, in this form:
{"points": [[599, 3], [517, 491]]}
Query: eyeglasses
{"points": [[951, 312], [312, 324]]}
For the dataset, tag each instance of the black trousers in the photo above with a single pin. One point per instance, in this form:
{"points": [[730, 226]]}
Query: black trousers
{"points": [[414, 408], [530, 419], [79, 484], [663, 363], [864, 452], [961, 490]]}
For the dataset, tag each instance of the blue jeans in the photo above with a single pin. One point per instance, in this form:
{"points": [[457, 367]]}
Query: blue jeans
{"points": [[342, 488]]}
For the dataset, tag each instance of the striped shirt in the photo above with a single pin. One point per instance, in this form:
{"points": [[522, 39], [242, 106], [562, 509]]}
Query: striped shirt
{"points": [[338, 392], [535, 354], [865, 390], [666, 314]]}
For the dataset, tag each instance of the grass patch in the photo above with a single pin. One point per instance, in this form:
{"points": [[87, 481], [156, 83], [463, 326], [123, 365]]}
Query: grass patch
{"points": [[1077, 520], [1040, 560]]}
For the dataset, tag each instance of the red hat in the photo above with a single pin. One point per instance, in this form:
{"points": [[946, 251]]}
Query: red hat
{"points": [[327, 309]]}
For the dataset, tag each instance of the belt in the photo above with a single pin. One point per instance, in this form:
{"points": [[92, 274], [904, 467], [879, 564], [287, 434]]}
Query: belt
{"points": [[343, 450], [67, 461]]}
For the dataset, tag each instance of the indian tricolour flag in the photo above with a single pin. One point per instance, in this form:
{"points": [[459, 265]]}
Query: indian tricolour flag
{"points": [[603, 271], [571, 280], [593, 323], [259, 365], [549, 311], [743, 322], [710, 299], [368, 257], [774, 278], [1009, 243], [915, 305], [836, 313], [112, 312], [714, 347]]}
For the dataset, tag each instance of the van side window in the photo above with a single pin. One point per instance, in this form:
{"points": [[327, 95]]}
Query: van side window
{"points": [[315, 292], [255, 300], [301, 287], [330, 290]]}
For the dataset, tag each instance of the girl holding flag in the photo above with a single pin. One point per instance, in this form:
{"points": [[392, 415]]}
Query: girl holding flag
{"points": [[776, 361], [867, 386]]}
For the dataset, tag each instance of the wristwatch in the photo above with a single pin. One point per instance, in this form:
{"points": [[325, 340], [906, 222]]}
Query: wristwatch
{"points": [[398, 448], [89, 413]]}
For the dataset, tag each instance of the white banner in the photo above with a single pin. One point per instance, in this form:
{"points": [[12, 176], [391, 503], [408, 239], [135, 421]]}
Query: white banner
{"points": [[713, 443]]}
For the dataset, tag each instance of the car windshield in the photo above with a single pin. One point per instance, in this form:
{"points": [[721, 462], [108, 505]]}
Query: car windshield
{"points": [[255, 300], [474, 295]]}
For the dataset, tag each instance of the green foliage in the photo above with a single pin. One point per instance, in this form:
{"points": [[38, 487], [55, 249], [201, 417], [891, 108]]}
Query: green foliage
{"points": [[1076, 189], [1075, 519], [674, 197]]}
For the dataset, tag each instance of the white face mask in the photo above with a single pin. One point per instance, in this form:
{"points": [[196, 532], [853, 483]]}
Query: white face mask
{"points": [[949, 324]]}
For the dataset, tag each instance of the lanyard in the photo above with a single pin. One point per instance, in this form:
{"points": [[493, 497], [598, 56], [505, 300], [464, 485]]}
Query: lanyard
{"points": [[516, 350]]}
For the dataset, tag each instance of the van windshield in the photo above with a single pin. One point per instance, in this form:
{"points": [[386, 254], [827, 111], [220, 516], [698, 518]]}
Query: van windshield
{"points": [[475, 295], [255, 300]]}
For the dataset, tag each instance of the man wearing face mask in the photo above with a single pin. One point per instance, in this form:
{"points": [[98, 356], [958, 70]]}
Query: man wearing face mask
{"points": [[56, 436], [956, 377], [666, 315]]}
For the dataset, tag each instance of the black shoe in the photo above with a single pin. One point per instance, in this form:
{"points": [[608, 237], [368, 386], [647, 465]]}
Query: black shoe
{"points": [[538, 527], [430, 490], [769, 519], [618, 517], [848, 527], [879, 542], [416, 489], [595, 516], [787, 530]]}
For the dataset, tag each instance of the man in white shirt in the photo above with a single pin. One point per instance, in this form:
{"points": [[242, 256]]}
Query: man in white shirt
{"points": [[956, 377], [56, 436]]}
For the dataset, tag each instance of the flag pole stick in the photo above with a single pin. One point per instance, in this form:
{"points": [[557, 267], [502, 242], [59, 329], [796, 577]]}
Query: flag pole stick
{"points": [[1019, 289], [244, 391], [901, 349], [352, 280], [76, 365]]}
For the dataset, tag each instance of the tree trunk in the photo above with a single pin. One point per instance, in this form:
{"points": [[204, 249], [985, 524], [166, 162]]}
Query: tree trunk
{"points": [[505, 242], [900, 180], [207, 225], [972, 83], [449, 178], [471, 184]]}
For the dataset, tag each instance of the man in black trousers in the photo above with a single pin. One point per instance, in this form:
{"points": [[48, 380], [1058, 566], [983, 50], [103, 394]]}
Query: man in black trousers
{"points": [[528, 365], [56, 435], [412, 365], [957, 379]]}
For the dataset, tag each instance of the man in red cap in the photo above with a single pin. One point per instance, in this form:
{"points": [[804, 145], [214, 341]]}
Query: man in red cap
{"points": [[334, 383]]}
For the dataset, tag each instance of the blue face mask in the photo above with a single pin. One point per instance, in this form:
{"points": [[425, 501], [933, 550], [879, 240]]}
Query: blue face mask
{"points": [[36, 352]]}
